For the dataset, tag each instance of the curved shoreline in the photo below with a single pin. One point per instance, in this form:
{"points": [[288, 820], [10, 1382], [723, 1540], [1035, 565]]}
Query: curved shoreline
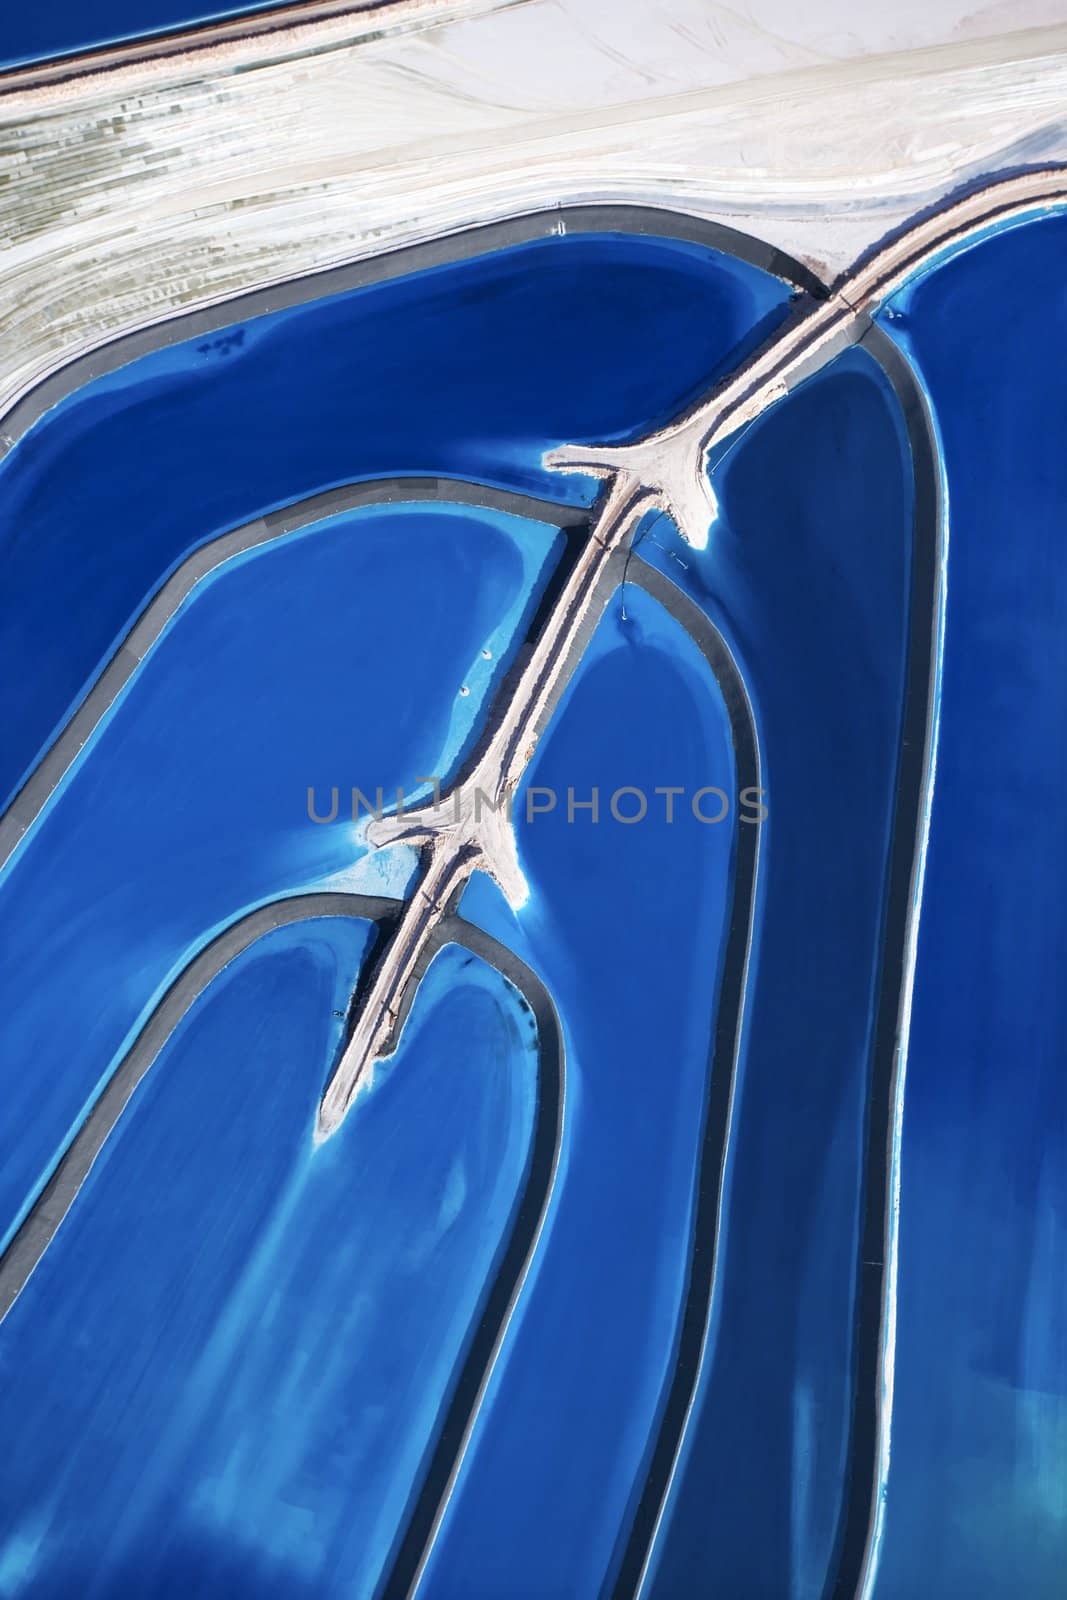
{"points": [[854, 1560], [430, 1498], [860, 1525], [189, 41], [722, 1077], [817, 333], [48, 772], [30, 1242], [39, 1226], [279, 294], [42, 1222]]}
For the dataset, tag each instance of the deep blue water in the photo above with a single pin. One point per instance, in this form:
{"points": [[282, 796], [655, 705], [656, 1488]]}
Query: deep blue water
{"points": [[224, 1374], [45, 28], [469, 370], [626, 925], [333, 657], [210, 1334], [807, 573], [979, 1459]]}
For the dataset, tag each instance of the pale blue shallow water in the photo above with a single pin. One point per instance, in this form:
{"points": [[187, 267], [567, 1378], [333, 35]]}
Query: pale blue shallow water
{"points": [[223, 1377], [626, 925], [333, 657]]}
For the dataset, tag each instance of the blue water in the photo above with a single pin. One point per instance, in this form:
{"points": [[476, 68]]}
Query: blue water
{"points": [[626, 925], [979, 1461], [329, 658], [225, 1372], [807, 573], [58, 27], [470, 370]]}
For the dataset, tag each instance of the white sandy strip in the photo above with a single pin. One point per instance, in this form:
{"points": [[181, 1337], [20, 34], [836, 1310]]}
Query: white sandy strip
{"points": [[136, 194]]}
